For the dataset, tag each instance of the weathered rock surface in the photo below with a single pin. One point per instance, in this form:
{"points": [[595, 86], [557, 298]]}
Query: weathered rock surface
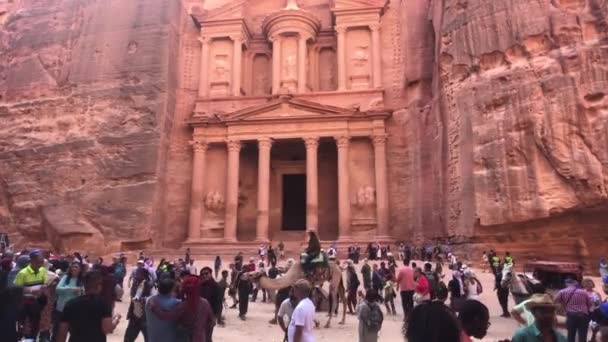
{"points": [[520, 89], [83, 102]]}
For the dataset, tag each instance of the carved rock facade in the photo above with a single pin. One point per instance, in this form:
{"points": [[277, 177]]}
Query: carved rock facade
{"points": [[498, 132]]}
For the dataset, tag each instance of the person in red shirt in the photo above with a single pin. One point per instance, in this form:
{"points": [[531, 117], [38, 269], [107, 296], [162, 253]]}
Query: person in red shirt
{"points": [[406, 286], [423, 290]]}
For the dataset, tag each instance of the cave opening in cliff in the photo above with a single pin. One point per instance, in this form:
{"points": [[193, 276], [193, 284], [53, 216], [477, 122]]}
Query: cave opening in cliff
{"points": [[294, 202]]}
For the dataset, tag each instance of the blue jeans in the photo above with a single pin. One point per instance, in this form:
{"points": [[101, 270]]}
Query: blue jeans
{"points": [[577, 323]]}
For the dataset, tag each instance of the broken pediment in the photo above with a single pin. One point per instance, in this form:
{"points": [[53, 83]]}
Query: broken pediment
{"points": [[357, 4], [230, 11]]}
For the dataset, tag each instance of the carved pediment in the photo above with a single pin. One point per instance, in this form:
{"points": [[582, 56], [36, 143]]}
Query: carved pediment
{"points": [[357, 4], [288, 109]]}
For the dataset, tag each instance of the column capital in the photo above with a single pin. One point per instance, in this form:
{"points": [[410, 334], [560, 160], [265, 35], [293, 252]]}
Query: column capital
{"points": [[305, 37], [275, 37], [198, 145], [237, 38], [204, 39], [340, 29], [311, 142], [264, 143], [233, 145], [342, 141], [379, 139], [374, 27]]}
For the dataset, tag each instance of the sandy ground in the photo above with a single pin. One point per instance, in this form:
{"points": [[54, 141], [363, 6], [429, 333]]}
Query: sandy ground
{"points": [[256, 327]]}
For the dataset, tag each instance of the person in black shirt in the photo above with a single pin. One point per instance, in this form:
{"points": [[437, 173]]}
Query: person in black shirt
{"points": [[140, 291], [502, 293], [88, 318], [272, 256], [210, 290]]}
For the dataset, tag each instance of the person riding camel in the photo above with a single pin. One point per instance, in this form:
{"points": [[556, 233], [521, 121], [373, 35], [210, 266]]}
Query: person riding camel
{"points": [[313, 257]]}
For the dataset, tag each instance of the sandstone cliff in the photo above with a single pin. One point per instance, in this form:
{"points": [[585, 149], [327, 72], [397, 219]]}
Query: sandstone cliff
{"points": [[84, 98], [519, 89]]}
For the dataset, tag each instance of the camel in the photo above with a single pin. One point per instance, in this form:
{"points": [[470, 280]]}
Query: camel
{"points": [[332, 274]]}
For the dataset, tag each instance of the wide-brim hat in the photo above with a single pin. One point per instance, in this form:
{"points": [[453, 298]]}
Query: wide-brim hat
{"points": [[541, 300]]}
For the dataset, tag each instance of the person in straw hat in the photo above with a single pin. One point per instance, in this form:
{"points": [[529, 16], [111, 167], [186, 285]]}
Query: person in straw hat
{"points": [[544, 310]]}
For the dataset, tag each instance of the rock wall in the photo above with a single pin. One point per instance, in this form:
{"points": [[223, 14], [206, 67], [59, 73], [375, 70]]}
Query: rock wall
{"points": [[520, 86], [84, 97]]}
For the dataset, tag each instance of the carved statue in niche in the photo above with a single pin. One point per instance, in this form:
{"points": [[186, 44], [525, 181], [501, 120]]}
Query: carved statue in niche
{"points": [[360, 58], [360, 76], [366, 196], [214, 202], [220, 76], [261, 84], [290, 67], [222, 69]]}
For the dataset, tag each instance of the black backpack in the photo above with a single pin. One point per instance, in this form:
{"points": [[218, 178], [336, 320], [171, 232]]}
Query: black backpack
{"points": [[376, 317]]}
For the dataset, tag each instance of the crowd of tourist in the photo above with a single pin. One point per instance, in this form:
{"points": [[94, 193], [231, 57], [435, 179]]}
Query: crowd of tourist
{"points": [[44, 297]]}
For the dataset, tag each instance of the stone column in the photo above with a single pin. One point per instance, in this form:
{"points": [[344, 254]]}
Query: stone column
{"points": [[276, 64], [203, 81], [342, 143], [264, 145], [312, 184], [237, 61], [232, 190], [341, 32], [382, 208], [302, 64], [196, 198], [376, 55]]}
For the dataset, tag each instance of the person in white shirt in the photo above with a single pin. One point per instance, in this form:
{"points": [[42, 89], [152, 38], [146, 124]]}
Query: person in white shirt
{"points": [[286, 311], [302, 319]]}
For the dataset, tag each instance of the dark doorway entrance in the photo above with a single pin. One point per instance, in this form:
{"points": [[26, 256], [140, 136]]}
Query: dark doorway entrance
{"points": [[294, 202]]}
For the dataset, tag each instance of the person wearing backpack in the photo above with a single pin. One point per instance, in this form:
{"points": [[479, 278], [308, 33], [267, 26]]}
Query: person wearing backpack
{"points": [[370, 317], [433, 279]]}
